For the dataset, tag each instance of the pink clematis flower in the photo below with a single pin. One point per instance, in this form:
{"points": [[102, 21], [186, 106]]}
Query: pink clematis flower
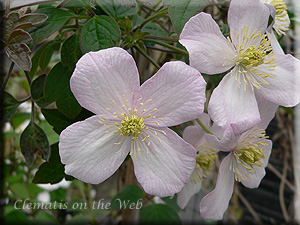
{"points": [[132, 119], [255, 70], [205, 158], [248, 155]]}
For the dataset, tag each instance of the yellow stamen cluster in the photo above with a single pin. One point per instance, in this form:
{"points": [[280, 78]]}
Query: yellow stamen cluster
{"points": [[279, 6], [251, 50], [281, 20], [204, 162], [131, 126], [249, 154]]}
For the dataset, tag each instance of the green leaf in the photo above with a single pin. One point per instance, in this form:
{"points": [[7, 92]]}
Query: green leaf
{"points": [[10, 105], [46, 55], [172, 202], [154, 30], [37, 91], [129, 194], [34, 140], [181, 11], [30, 20], [50, 172], [56, 19], [17, 217], [115, 9], [19, 36], [57, 88], [58, 120], [33, 190], [76, 3], [20, 190], [99, 33], [71, 52], [159, 214]]}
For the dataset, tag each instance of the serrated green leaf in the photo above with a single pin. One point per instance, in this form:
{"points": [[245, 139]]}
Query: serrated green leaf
{"points": [[56, 19], [10, 105], [99, 33], [159, 214], [71, 52], [46, 55], [58, 120], [50, 172], [57, 89], [34, 141], [37, 91], [181, 11], [129, 194], [115, 9]]}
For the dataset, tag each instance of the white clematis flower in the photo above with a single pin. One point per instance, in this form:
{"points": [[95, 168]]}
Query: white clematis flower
{"points": [[132, 119]]}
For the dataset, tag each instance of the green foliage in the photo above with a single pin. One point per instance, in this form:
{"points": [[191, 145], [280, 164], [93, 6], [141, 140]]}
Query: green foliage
{"points": [[159, 214], [34, 141], [116, 10], [71, 44], [10, 105], [181, 11], [128, 195], [98, 33], [56, 19], [57, 88], [37, 91], [50, 172]]}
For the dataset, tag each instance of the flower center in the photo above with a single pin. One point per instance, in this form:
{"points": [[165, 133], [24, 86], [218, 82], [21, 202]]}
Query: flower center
{"points": [[249, 154], [252, 57], [131, 126], [279, 6]]}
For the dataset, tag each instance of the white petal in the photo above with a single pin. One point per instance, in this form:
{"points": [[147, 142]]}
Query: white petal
{"points": [[190, 188], [89, 152], [215, 203], [230, 103], [206, 44], [275, 44], [167, 166], [103, 77], [177, 93]]}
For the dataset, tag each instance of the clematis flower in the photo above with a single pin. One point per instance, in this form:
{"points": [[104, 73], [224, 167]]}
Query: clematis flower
{"points": [[255, 71], [132, 119], [248, 155], [205, 158]]}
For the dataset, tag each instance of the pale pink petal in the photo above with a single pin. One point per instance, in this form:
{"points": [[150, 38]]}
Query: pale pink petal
{"points": [[274, 43], [272, 14], [190, 188], [267, 111], [215, 203], [252, 13], [260, 171], [284, 86], [206, 44], [176, 93], [89, 153], [103, 77], [194, 135], [230, 103], [167, 166]]}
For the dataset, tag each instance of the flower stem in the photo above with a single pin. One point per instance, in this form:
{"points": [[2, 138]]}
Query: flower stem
{"points": [[7, 77], [204, 127], [149, 19], [166, 45], [147, 56]]}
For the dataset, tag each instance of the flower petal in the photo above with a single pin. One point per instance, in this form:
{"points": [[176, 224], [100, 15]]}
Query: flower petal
{"points": [[206, 44], [167, 166], [215, 203], [267, 111], [260, 171], [177, 93], [189, 189], [284, 87], [103, 77], [89, 153], [274, 43], [252, 13], [230, 103]]}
